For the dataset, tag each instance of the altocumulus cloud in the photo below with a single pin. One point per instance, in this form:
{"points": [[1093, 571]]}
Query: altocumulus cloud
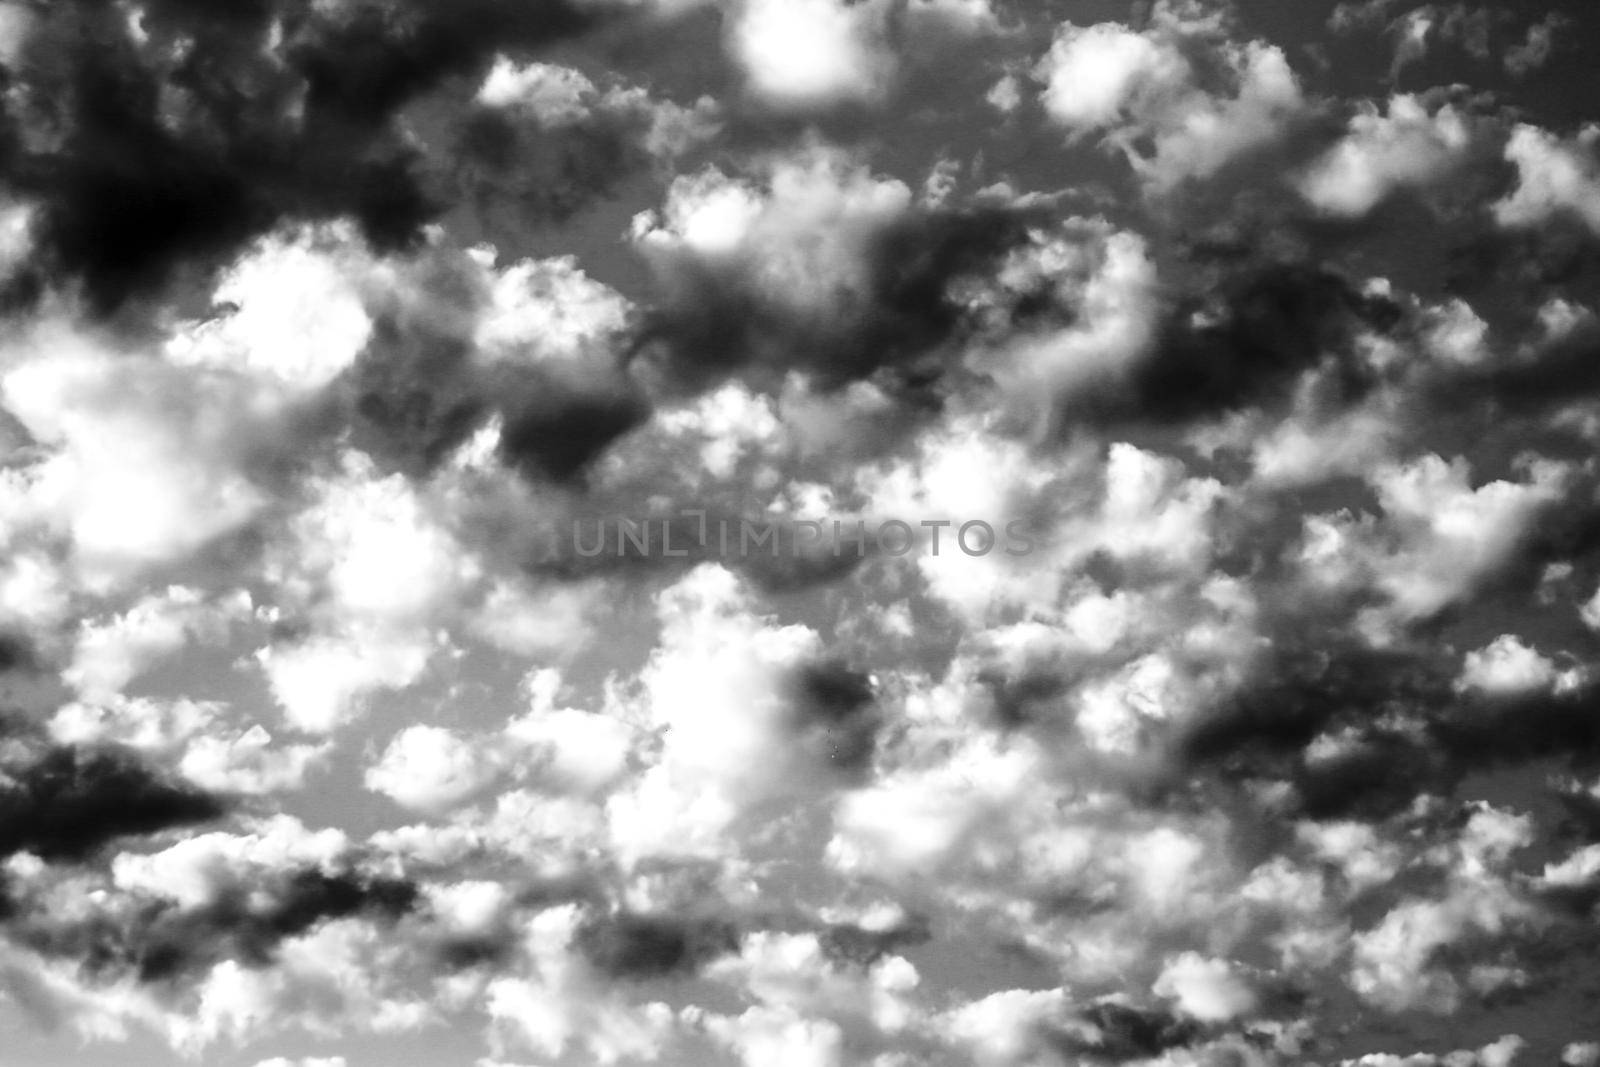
{"points": [[1274, 326]]}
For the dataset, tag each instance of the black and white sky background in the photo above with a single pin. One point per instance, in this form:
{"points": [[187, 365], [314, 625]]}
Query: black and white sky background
{"points": [[1276, 322]]}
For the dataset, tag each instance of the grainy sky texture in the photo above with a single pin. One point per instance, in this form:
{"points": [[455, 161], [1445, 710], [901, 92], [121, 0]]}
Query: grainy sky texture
{"points": [[1272, 326]]}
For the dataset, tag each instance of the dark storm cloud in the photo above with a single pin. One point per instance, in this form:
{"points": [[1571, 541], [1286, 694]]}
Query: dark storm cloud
{"points": [[146, 156], [1496, 731], [716, 322], [502, 162], [1122, 1032], [1372, 778], [160, 941], [632, 946], [834, 714], [554, 436], [1575, 901], [463, 953], [15, 653], [550, 431], [1016, 699], [69, 801], [1245, 346], [181, 940], [848, 943], [1302, 691], [420, 390], [1406, 729]]}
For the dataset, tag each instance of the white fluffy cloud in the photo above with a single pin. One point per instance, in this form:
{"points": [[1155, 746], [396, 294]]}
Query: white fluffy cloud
{"points": [[196, 870], [1104, 279], [716, 688], [139, 722], [110, 653], [1499, 1053], [1581, 1054], [1555, 177], [298, 313], [249, 762], [1438, 538], [15, 219], [563, 1006], [372, 568], [1132, 86], [1506, 665], [557, 97], [1406, 147], [800, 234], [1208, 990], [1398, 960], [431, 769], [1135, 506], [142, 461], [810, 53]]}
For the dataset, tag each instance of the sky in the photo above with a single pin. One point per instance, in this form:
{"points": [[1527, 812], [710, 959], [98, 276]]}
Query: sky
{"points": [[799, 533]]}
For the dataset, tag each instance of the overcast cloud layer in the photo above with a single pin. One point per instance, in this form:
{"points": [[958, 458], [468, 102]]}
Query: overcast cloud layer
{"points": [[1272, 328]]}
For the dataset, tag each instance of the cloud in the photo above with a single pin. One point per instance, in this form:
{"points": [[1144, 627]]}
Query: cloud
{"points": [[1405, 148], [1506, 665], [139, 723], [140, 469], [761, 1034], [811, 53], [249, 763], [815, 263], [531, 348], [1416, 32], [292, 124], [429, 768], [201, 908], [378, 566], [178, 941], [1453, 536], [562, 1006], [1093, 291], [783, 727], [547, 141], [643, 946], [1207, 990], [559, 96], [1555, 178], [67, 802], [108, 655], [1499, 1053], [1145, 92], [1016, 1025], [1259, 732], [1579, 1053]]}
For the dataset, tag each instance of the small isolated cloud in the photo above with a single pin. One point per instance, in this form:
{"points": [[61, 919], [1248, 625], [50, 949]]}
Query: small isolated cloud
{"points": [[809, 53]]}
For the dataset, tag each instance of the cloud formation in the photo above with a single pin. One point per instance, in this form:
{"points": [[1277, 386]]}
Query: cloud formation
{"points": [[380, 383]]}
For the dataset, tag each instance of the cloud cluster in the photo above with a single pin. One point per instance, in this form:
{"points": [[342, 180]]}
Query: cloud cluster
{"points": [[335, 329]]}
